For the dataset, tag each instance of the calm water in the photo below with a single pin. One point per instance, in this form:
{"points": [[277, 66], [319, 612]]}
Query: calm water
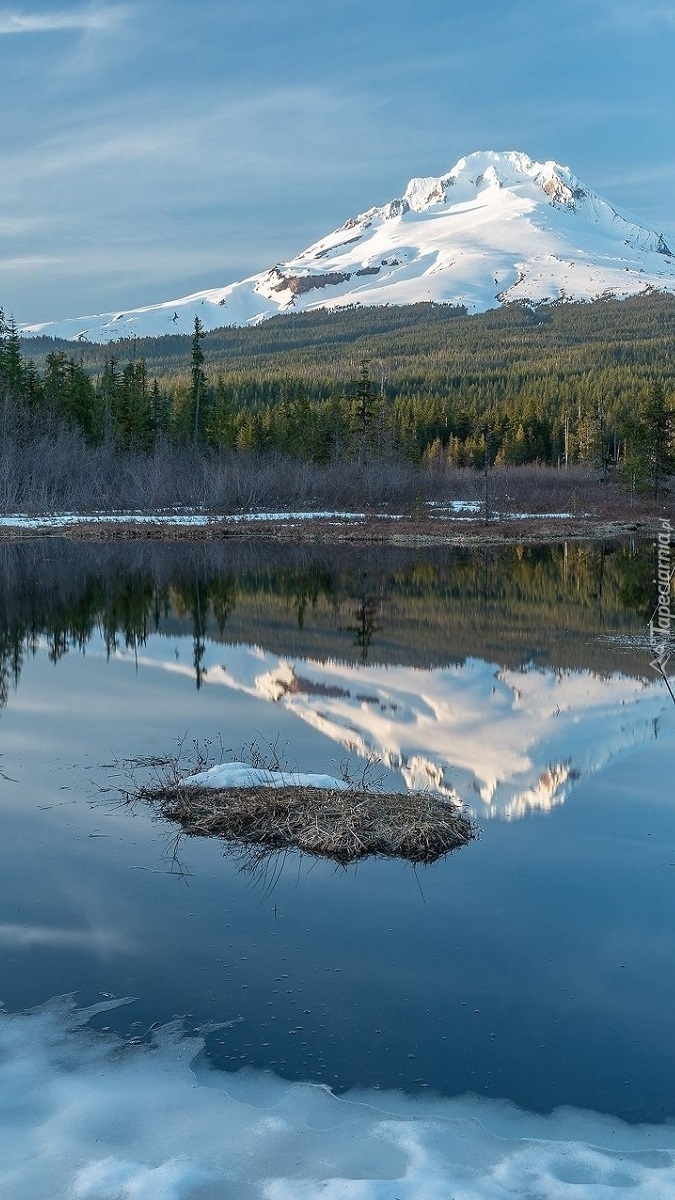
{"points": [[536, 964]]}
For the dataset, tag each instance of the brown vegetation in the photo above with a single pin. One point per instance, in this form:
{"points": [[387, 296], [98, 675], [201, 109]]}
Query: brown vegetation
{"points": [[344, 826], [402, 501]]}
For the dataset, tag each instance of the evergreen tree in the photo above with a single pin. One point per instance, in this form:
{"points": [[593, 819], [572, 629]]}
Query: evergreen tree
{"points": [[70, 393], [159, 411], [134, 418], [648, 457], [657, 415], [197, 375], [109, 387], [12, 366], [365, 407], [222, 425]]}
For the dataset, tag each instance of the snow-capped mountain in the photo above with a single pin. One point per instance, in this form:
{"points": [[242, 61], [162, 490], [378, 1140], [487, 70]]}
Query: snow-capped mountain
{"points": [[495, 229]]}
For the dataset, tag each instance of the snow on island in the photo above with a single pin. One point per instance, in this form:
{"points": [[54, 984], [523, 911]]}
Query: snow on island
{"points": [[243, 775], [265, 810]]}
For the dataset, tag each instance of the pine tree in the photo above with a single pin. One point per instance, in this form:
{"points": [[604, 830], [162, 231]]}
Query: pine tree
{"points": [[159, 413], [657, 416], [12, 366], [197, 375], [134, 418], [222, 418], [70, 393], [109, 387], [365, 407], [648, 457]]}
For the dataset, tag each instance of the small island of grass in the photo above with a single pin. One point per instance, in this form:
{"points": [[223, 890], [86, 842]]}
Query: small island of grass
{"points": [[270, 811]]}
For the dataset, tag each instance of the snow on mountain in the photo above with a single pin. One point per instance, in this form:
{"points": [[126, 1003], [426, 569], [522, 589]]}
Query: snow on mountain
{"points": [[505, 743], [497, 228]]}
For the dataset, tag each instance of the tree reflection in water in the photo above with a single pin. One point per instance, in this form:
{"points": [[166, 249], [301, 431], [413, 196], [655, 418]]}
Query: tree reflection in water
{"points": [[513, 605]]}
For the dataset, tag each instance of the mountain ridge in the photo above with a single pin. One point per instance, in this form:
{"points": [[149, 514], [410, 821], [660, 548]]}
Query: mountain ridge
{"points": [[497, 228]]}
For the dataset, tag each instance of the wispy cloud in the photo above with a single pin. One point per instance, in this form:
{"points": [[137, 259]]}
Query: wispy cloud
{"points": [[28, 262], [629, 15], [101, 941], [656, 173], [225, 138], [91, 19], [11, 226], [174, 194]]}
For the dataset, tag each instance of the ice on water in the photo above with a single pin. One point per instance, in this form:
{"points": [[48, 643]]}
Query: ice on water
{"points": [[86, 1116]]}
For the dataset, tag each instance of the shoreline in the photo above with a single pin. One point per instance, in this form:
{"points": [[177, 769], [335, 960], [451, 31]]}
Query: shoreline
{"points": [[372, 529]]}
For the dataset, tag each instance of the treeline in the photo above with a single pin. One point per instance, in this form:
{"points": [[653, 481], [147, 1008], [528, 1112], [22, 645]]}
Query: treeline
{"points": [[562, 384]]}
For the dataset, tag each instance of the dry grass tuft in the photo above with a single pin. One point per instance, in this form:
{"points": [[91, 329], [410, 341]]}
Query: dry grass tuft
{"points": [[341, 825]]}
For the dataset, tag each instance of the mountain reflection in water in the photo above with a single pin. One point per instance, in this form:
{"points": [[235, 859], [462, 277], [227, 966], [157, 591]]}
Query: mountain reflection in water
{"points": [[537, 964], [510, 605], [464, 670]]}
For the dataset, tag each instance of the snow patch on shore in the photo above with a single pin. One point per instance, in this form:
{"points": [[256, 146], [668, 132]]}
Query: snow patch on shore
{"points": [[187, 517]]}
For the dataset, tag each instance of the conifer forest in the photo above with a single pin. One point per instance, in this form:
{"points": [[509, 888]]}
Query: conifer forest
{"points": [[426, 387]]}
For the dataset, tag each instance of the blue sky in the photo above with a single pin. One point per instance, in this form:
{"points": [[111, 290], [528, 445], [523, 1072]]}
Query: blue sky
{"points": [[150, 149]]}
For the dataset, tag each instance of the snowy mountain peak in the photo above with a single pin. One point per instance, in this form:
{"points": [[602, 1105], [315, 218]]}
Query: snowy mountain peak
{"points": [[487, 169], [422, 193], [497, 228]]}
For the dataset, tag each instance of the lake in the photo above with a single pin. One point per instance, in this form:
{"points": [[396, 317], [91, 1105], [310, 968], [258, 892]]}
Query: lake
{"points": [[536, 965]]}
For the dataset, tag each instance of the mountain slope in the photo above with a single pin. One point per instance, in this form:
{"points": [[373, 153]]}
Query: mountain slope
{"points": [[497, 228]]}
